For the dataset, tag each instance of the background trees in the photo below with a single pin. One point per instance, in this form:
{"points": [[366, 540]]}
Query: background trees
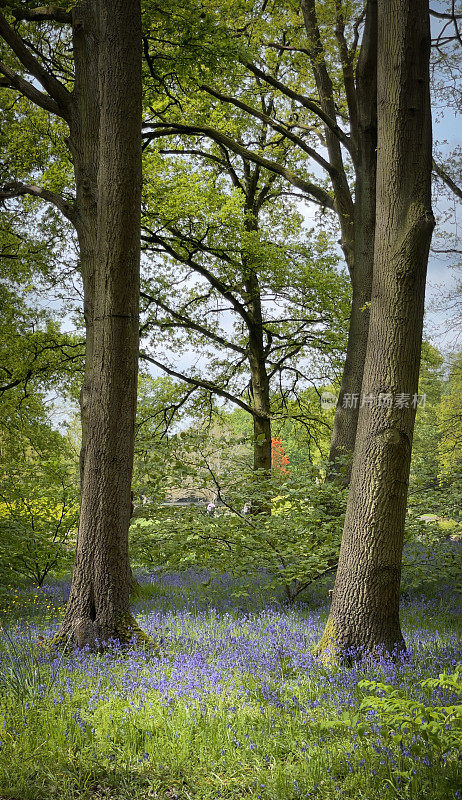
{"points": [[293, 66], [231, 274], [313, 86]]}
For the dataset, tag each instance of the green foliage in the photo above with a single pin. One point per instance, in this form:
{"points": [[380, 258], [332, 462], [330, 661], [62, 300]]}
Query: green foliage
{"points": [[304, 426], [35, 354], [161, 406], [38, 502], [436, 455], [432, 556], [431, 562], [450, 421], [417, 723], [292, 533], [38, 495]]}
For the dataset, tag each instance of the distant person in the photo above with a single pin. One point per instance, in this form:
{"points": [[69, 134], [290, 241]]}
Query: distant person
{"points": [[247, 508], [211, 508]]}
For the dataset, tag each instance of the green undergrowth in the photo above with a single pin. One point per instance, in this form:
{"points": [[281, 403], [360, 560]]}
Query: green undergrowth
{"points": [[236, 706]]}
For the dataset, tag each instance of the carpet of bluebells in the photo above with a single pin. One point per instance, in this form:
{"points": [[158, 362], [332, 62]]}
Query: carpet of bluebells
{"points": [[233, 704]]}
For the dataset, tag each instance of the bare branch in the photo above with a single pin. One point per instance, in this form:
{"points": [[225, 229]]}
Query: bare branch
{"points": [[209, 276], [316, 193], [442, 15], [200, 383], [33, 372], [450, 250], [447, 179], [344, 201], [347, 61], [329, 121], [12, 80], [186, 322], [272, 123]]}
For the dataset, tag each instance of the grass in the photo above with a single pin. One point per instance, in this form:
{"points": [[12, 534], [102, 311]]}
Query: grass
{"points": [[235, 706]]}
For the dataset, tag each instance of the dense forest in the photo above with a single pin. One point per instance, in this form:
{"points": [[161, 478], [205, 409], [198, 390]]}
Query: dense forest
{"points": [[230, 419]]}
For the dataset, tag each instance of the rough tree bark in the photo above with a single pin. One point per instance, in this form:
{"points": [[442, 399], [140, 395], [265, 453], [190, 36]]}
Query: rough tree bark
{"points": [[364, 613], [98, 606]]}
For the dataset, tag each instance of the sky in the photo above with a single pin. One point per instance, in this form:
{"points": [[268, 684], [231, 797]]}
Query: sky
{"points": [[444, 270]]}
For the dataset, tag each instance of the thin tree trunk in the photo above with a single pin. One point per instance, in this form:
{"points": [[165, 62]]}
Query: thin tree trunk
{"points": [[259, 381], [361, 266], [260, 389], [83, 143], [98, 607], [347, 410], [365, 603], [261, 405]]}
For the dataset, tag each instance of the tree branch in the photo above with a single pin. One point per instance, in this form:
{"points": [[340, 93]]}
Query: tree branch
{"points": [[14, 81], [316, 193], [43, 14], [328, 120], [442, 15], [347, 61], [32, 372], [186, 322], [447, 179], [209, 276], [272, 123], [202, 384], [16, 189], [343, 199], [52, 86]]}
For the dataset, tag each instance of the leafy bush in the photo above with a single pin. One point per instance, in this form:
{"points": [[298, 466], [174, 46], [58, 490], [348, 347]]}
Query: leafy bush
{"points": [[38, 506], [431, 562], [292, 532]]}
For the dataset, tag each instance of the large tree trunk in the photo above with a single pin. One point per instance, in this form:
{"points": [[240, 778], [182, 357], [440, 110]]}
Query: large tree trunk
{"points": [[361, 266], [365, 604], [98, 607]]}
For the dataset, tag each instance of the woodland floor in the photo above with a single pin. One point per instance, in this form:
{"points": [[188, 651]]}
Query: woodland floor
{"points": [[233, 706]]}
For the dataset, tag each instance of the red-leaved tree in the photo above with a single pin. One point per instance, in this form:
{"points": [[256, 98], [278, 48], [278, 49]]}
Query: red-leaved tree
{"points": [[279, 460]]}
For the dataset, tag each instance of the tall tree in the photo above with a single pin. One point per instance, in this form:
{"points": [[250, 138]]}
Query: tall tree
{"points": [[98, 606], [365, 604], [234, 251], [102, 111]]}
